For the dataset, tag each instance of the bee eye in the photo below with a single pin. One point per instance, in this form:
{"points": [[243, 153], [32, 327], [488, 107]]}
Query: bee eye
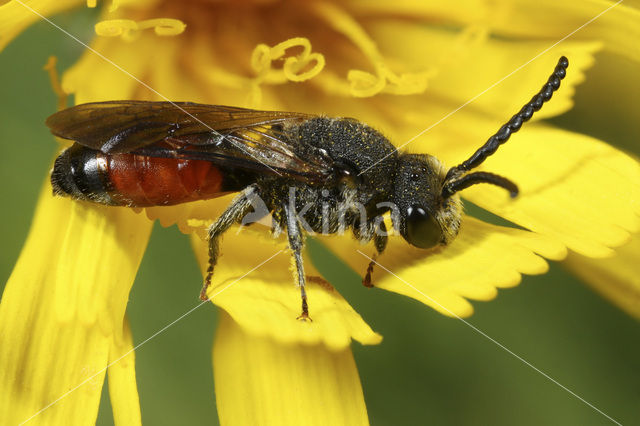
{"points": [[415, 177], [421, 229]]}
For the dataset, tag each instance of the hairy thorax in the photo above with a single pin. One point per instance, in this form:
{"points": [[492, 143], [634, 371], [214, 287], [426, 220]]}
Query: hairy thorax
{"points": [[368, 162]]}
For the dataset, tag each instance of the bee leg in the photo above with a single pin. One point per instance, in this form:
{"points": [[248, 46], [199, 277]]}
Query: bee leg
{"points": [[296, 243], [380, 242], [366, 281], [239, 207]]}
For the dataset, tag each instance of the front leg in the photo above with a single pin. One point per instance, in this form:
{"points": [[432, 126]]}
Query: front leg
{"points": [[239, 207], [296, 243], [380, 242]]}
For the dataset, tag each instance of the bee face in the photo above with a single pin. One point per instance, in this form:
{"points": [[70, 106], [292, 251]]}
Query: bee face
{"points": [[427, 218]]}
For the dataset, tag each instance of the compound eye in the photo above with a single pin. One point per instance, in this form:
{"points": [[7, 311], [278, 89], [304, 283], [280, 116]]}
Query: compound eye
{"points": [[422, 230]]}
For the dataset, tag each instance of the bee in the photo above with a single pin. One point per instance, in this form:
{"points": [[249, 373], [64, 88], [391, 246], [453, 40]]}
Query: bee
{"points": [[308, 170]]}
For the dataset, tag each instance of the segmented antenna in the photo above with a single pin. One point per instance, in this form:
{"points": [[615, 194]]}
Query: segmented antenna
{"points": [[479, 177], [512, 126]]}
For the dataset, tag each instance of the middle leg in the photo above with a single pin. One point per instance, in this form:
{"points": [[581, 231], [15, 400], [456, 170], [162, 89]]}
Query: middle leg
{"points": [[296, 244]]}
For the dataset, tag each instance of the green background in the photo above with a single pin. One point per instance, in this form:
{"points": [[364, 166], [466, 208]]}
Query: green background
{"points": [[429, 369]]}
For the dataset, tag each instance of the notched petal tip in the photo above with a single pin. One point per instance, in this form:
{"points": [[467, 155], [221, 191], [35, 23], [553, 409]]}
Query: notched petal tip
{"points": [[480, 260], [194, 217]]}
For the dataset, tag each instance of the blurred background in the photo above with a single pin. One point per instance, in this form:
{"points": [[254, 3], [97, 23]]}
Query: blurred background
{"points": [[429, 369]]}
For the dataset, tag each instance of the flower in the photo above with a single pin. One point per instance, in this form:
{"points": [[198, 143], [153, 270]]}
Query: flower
{"points": [[397, 67]]}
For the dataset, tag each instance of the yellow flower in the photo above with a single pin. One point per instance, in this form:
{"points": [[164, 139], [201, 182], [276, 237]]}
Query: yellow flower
{"points": [[400, 67]]}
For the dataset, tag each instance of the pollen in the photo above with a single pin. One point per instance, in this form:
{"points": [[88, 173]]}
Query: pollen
{"points": [[301, 67], [129, 29], [295, 68], [364, 83]]}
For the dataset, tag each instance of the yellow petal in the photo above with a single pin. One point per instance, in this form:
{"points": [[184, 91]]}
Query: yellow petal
{"points": [[93, 78], [61, 307], [260, 381], [265, 302], [480, 260], [618, 27], [159, 78], [498, 75], [617, 278], [123, 390], [15, 17], [573, 188], [190, 217], [525, 20]]}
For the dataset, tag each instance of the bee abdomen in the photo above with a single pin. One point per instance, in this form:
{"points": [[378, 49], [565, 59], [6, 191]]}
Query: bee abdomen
{"points": [[143, 181], [80, 172], [133, 180]]}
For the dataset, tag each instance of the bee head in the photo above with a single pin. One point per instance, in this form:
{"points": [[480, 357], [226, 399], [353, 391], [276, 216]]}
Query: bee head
{"points": [[426, 194], [426, 217]]}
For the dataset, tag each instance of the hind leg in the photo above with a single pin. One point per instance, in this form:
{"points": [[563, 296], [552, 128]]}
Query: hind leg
{"points": [[239, 207]]}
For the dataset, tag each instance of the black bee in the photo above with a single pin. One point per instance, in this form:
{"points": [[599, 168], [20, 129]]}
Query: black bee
{"points": [[312, 173]]}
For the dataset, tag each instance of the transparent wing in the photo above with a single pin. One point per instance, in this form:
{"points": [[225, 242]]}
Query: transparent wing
{"points": [[246, 138]]}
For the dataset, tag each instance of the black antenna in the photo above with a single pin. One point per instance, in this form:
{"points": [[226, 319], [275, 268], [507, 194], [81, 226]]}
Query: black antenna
{"points": [[512, 126], [479, 177]]}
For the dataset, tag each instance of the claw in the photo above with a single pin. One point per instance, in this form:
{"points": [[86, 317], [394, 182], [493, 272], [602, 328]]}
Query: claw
{"points": [[304, 316], [205, 287], [203, 293]]}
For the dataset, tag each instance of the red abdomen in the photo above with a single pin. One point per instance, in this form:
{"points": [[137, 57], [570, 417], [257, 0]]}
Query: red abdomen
{"points": [[134, 180], [141, 181]]}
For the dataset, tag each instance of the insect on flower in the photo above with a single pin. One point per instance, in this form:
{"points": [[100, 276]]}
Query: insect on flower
{"points": [[339, 172]]}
